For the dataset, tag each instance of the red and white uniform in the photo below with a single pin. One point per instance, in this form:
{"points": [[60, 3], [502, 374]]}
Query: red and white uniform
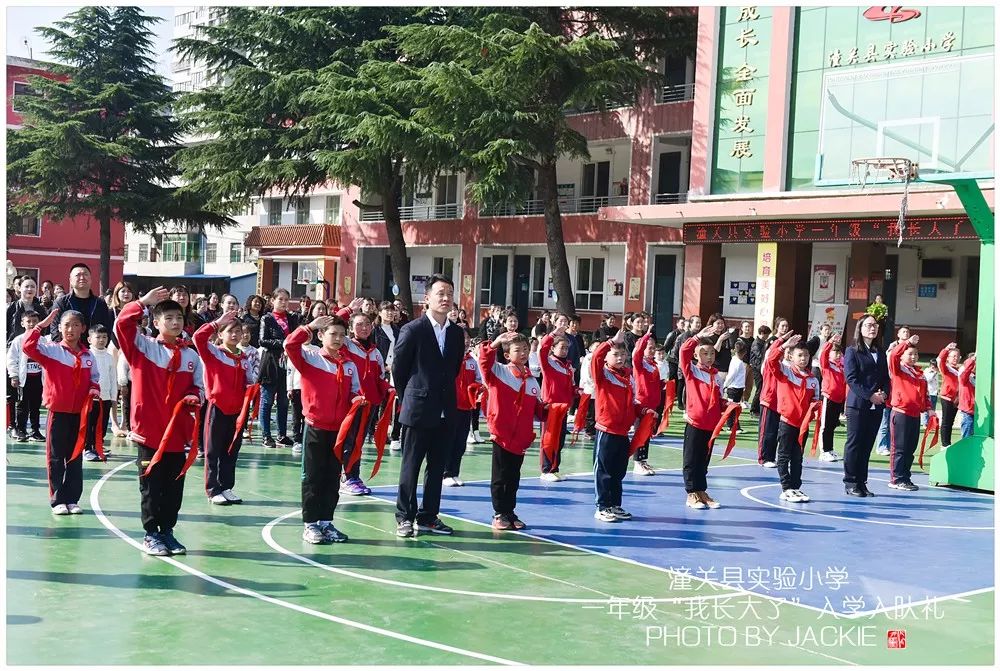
{"points": [[949, 378], [796, 389], [468, 375], [227, 375], [769, 388], [616, 408], [328, 384], [648, 385], [834, 383], [908, 387], [558, 385], [514, 400], [162, 374], [69, 376], [967, 388], [702, 391], [371, 369]]}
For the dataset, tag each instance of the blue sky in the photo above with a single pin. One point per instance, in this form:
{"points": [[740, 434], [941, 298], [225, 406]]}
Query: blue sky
{"points": [[21, 22]]}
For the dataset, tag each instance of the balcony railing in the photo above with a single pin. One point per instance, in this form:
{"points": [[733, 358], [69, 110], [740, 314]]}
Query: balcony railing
{"points": [[675, 93], [291, 218], [420, 212], [581, 205], [669, 198]]}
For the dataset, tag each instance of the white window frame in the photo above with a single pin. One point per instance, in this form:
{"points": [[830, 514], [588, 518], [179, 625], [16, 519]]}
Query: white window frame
{"points": [[538, 291], [14, 95], [331, 215], [38, 227], [590, 292], [211, 250], [21, 272], [238, 248], [439, 263], [486, 292], [143, 247]]}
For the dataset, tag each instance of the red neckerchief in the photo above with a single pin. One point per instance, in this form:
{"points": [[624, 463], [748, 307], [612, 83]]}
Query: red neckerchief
{"points": [[339, 360], [713, 398], [523, 377], [367, 350], [238, 360], [77, 361], [625, 379], [175, 363], [282, 319]]}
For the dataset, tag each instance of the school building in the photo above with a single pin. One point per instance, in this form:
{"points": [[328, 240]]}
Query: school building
{"points": [[743, 155]]}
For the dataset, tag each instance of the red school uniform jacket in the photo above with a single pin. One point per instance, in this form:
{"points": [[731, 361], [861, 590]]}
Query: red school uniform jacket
{"points": [[513, 401], [162, 375], [949, 378], [558, 385], [468, 375], [371, 369], [834, 383], [796, 390], [648, 386], [616, 408], [769, 388], [967, 388], [702, 392], [227, 375], [328, 384], [69, 376], [909, 386]]}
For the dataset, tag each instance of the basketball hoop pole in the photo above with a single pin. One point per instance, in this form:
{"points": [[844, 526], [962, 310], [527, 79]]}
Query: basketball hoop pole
{"points": [[969, 462]]}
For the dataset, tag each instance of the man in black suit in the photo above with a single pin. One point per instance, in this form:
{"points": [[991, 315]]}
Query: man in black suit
{"points": [[426, 359]]}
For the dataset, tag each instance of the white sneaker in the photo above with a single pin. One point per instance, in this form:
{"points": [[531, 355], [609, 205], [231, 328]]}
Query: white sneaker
{"points": [[605, 515], [793, 496], [449, 482], [458, 482], [882, 452], [559, 477], [694, 501], [477, 438], [643, 468], [620, 513], [802, 496], [60, 509], [74, 509], [296, 449], [829, 456], [231, 496], [395, 446], [769, 464], [219, 500], [549, 477]]}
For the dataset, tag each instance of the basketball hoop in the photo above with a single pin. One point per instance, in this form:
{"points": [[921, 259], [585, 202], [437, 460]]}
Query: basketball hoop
{"points": [[883, 169]]}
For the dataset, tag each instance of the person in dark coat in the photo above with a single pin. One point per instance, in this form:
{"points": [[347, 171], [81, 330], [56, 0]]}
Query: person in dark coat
{"points": [[867, 373], [28, 300], [274, 328], [83, 300]]}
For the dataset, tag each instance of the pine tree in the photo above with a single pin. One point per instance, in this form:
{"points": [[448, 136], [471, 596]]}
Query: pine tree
{"points": [[503, 79], [312, 95], [103, 142]]}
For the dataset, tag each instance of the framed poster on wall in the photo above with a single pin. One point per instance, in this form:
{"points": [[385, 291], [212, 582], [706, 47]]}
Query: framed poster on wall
{"points": [[824, 283]]}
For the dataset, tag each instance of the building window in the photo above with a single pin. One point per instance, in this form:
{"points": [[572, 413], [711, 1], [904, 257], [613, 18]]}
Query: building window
{"points": [[444, 265], [30, 226], [302, 211], [143, 252], [273, 211], [486, 280], [183, 19], [538, 282], [30, 272], [22, 90], [332, 213], [125, 253], [181, 248], [197, 79], [211, 251], [235, 252], [590, 284]]}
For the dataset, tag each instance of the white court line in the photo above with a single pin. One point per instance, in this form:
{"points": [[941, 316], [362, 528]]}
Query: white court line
{"points": [[96, 505], [745, 493]]}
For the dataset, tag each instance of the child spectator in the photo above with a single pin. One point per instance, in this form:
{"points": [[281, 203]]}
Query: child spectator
{"points": [[100, 412], [25, 375], [736, 379]]}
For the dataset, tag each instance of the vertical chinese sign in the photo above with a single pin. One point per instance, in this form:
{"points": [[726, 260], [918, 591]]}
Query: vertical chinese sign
{"points": [[741, 104], [767, 266]]}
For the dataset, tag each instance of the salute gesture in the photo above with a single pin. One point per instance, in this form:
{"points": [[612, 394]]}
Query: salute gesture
{"points": [[45, 323], [791, 340], [355, 304], [320, 323], [226, 318], [835, 339], [157, 295], [504, 337]]}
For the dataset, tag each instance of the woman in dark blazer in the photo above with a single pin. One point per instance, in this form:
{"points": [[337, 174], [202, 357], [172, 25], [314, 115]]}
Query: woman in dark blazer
{"points": [[274, 327], [867, 375]]}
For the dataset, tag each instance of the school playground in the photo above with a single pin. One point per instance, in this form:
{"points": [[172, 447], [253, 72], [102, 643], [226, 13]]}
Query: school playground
{"points": [[900, 579]]}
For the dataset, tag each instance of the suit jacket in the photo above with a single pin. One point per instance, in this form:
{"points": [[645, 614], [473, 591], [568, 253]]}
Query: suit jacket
{"points": [[864, 376], [424, 378]]}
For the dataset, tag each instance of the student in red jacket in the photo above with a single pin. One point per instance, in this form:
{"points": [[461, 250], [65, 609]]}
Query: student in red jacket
{"points": [[703, 403], [467, 387], [229, 374], [908, 399], [166, 375], [648, 390], [834, 389], [514, 401], [70, 383], [797, 390], [967, 395], [767, 440], [616, 411], [948, 362], [558, 386]]}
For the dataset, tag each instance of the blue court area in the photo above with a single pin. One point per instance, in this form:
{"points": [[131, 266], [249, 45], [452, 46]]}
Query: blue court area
{"points": [[836, 553]]}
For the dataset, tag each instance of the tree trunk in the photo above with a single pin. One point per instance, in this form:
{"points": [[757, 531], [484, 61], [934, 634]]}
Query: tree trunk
{"points": [[397, 245], [105, 275], [549, 193]]}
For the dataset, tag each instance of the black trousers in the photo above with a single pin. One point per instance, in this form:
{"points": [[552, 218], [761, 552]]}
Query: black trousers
{"points": [[65, 477], [397, 428], [220, 465], [30, 404], [420, 444], [767, 438], [610, 466], [830, 422], [904, 432], [758, 384], [734, 394], [475, 417], [297, 418], [104, 409], [862, 427], [454, 463], [680, 401], [789, 456], [126, 393], [696, 458], [320, 475], [548, 467], [505, 478], [161, 492], [948, 412]]}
